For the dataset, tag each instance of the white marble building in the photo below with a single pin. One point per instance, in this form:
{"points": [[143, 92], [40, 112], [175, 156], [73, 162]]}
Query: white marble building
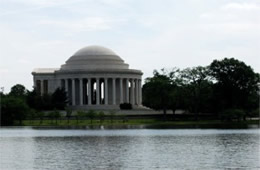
{"points": [[94, 78]]}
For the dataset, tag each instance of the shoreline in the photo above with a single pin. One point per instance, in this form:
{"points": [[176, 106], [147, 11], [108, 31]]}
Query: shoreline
{"points": [[139, 124]]}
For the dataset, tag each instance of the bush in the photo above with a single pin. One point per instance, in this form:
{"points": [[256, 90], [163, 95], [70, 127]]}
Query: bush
{"points": [[231, 114], [91, 114], [101, 116], [126, 106], [255, 113]]}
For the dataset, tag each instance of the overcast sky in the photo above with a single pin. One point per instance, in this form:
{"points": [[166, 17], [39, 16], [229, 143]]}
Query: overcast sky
{"points": [[147, 34]]}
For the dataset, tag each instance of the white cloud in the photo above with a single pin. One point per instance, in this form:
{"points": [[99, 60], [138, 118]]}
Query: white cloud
{"points": [[81, 25], [241, 6]]}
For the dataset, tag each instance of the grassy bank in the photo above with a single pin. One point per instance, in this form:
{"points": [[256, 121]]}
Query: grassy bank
{"points": [[149, 122]]}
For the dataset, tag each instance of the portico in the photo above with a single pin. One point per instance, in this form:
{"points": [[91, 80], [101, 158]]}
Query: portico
{"points": [[94, 77]]}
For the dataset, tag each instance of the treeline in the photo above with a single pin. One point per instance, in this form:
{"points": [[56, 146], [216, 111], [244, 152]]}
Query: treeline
{"points": [[21, 103], [227, 89]]}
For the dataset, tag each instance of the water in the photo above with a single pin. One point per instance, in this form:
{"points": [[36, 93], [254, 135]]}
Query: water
{"points": [[129, 149]]}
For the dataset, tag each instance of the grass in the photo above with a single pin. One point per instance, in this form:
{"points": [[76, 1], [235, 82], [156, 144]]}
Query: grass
{"points": [[118, 122]]}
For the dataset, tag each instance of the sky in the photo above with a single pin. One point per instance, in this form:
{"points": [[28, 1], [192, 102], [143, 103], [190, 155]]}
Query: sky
{"points": [[146, 34]]}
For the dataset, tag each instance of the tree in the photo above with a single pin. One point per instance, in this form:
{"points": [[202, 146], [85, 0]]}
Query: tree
{"points": [[156, 92], [13, 108], [59, 98], [236, 84], [18, 90], [34, 100], [199, 87]]}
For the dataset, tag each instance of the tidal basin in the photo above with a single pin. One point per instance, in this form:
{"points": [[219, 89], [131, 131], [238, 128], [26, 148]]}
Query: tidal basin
{"points": [[27, 148]]}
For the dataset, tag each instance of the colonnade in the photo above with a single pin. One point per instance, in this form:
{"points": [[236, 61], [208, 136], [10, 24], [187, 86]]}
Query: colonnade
{"points": [[103, 91]]}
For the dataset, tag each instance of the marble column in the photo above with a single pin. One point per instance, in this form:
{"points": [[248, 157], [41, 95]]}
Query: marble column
{"points": [[89, 92], [97, 91], [42, 88], [140, 92], [121, 91], [80, 91], [132, 92], [136, 92], [114, 91], [106, 91], [127, 90], [67, 87], [73, 92]]}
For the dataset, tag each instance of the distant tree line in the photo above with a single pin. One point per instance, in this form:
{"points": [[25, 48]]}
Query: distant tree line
{"points": [[21, 103], [226, 88]]}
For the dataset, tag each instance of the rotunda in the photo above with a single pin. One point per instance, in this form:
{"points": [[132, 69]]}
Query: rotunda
{"points": [[94, 77]]}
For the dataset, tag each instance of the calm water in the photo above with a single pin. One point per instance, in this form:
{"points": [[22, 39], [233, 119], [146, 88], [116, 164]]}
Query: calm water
{"points": [[129, 149]]}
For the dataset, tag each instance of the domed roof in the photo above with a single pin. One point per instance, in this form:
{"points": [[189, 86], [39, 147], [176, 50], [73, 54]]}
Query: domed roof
{"points": [[94, 50], [94, 58]]}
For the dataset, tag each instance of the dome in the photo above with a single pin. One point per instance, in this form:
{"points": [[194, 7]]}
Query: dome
{"points": [[94, 50], [94, 58]]}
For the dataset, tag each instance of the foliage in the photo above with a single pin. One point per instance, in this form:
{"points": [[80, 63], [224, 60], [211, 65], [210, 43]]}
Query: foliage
{"points": [[236, 83], [80, 114], [59, 98], [197, 82], [112, 114], [224, 84], [91, 114], [18, 90], [156, 92], [255, 113], [40, 115], [13, 108], [126, 106], [231, 114], [68, 113], [101, 116], [55, 114], [48, 101]]}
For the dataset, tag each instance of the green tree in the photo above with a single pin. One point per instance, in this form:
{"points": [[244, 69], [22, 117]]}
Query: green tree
{"points": [[13, 108], [18, 90], [236, 84], [59, 98], [197, 82], [34, 100], [156, 92]]}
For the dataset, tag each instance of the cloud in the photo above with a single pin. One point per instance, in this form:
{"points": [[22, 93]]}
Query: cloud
{"points": [[241, 6], [81, 25]]}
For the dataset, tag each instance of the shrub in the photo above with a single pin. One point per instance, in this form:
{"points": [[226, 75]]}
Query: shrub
{"points": [[80, 114], [101, 116], [231, 114], [91, 114], [255, 113], [126, 106]]}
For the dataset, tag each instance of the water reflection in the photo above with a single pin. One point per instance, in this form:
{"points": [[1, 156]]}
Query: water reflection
{"points": [[129, 149]]}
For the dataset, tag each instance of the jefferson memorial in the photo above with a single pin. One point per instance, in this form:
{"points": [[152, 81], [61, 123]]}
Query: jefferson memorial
{"points": [[94, 77]]}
